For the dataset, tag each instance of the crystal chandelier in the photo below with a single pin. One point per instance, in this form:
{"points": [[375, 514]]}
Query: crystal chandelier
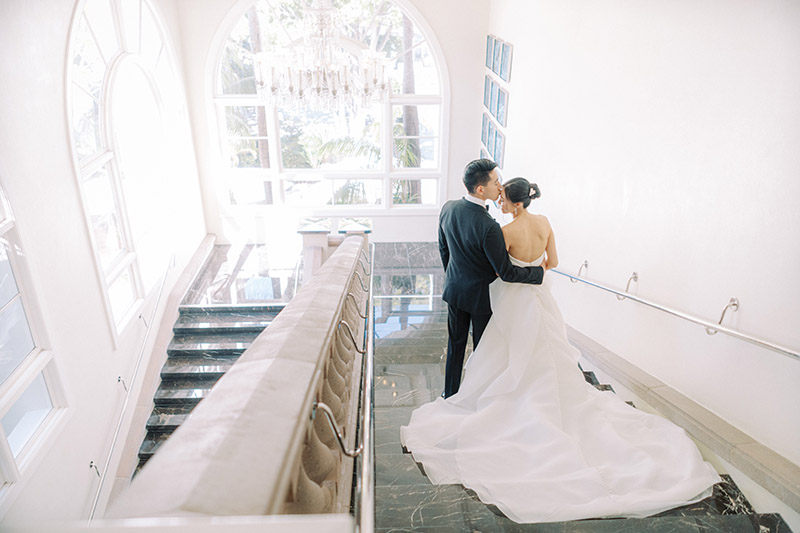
{"points": [[323, 69]]}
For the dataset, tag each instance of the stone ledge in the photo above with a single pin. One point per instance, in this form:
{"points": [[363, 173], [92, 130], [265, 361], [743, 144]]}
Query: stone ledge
{"points": [[772, 471]]}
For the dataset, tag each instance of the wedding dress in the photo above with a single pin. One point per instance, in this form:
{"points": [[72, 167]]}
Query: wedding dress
{"points": [[528, 434]]}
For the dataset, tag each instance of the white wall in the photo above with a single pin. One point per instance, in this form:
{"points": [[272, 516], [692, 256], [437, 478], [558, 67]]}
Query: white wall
{"points": [[37, 173], [459, 26], [664, 136]]}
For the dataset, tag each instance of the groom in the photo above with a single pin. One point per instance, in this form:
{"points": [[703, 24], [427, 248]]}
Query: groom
{"points": [[473, 253]]}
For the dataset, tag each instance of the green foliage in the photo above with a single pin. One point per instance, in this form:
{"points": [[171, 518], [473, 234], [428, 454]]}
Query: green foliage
{"points": [[406, 192], [351, 193]]}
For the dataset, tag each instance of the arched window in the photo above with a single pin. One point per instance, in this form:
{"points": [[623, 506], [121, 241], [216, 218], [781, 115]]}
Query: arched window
{"points": [[370, 158], [30, 393], [125, 104]]}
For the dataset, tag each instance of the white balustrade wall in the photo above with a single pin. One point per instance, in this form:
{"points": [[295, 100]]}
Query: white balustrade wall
{"points": [[252, 447]]}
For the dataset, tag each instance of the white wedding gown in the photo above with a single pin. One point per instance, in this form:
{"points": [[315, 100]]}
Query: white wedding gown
{"points": [[528, 434]]}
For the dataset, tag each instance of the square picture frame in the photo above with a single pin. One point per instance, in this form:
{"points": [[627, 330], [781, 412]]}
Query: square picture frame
{"points": [[502, 106], [505, 63], [489, 51]]}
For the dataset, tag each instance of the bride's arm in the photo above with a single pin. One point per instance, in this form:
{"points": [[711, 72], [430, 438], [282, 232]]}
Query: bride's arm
{"points": [[551, 260]]}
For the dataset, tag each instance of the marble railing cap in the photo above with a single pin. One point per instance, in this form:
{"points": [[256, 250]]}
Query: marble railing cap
{"points": [[233, 455]]}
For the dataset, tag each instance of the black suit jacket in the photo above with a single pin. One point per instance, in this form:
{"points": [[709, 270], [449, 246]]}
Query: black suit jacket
{"points": [[473, 253]]}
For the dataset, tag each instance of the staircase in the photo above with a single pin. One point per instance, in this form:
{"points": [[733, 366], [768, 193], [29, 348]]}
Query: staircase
{"points": [[411, 333], [207, 340]]}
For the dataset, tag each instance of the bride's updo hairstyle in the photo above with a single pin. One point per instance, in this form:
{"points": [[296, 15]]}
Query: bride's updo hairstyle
{"points": [[521, 190]]}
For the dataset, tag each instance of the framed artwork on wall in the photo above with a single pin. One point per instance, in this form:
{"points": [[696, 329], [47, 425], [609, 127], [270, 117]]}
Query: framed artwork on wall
{"points": [[502, 102], [505, 63], [490, 139], [493, 100], [499, 148], [497, 56]]}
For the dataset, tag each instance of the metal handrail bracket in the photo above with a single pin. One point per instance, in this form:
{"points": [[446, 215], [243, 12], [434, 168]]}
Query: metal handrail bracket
{"points": [[680, 314]]}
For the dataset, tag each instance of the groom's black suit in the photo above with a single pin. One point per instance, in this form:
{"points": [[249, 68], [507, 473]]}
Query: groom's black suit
{"points": [[473, 253]]}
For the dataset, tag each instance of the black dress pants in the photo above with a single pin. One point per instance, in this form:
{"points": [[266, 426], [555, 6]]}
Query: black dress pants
{"points": [[458, 322]]}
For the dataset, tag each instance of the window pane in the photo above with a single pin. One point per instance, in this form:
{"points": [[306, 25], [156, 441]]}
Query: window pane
{"points": [[250, 191], [88, 67], [411, 124], [85, 123], [151, 39], [16, 341], [357, 192], [130, 20], [424, 76], [329, 140], [415, 192], [301, 192], [121, 294], [102, 210], [98, 194], [107, 238], [27, 414], [416, 120], [102, 24], [236, 67], [246, 121], [248, 153], [416, 152], [8, 284], [138, 126]]}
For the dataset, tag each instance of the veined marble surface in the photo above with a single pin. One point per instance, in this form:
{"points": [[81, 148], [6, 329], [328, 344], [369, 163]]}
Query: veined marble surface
{"points": [[245, 274]]}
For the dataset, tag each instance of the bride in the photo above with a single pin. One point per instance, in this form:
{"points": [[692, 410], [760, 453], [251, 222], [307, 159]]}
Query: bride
{"points": [[527, 433]]}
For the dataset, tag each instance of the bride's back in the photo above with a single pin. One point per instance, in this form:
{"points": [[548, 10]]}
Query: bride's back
{"points": [[527, 236]]}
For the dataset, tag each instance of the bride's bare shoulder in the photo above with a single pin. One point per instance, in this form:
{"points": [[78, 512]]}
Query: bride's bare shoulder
{"points": [[541, 220]]}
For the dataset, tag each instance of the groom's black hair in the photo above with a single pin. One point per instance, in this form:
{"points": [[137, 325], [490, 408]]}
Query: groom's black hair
{"points": [[477, 173]]}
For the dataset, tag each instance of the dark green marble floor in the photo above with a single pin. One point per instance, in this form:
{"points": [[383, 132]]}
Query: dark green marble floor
{"points": [[411, 336]]}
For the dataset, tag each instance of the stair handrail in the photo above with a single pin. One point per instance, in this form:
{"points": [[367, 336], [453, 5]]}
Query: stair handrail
{"points": [[365, 479], [128, 390], [788, 352]]}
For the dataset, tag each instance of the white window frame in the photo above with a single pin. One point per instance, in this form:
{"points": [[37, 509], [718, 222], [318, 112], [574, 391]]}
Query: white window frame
{"points": [[107, 154], [14, 471], [276, 172]]}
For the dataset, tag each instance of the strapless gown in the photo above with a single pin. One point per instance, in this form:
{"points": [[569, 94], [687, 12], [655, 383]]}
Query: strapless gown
{"points": [[528, 434]]}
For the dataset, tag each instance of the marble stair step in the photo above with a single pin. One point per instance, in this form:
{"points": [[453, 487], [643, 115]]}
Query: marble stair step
{"points": [[151, 444], [196, 368], [200, 345], [231, 309], [184, 327], [165, 422], [590, 377], [180, 394]]}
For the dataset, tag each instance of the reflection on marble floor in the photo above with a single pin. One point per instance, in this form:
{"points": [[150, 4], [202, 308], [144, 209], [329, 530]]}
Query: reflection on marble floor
{"points": [[410, 346], [246, 274]]}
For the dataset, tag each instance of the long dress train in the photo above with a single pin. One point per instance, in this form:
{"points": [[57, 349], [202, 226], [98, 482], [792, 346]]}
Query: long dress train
{"points": [[529, 435]]}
